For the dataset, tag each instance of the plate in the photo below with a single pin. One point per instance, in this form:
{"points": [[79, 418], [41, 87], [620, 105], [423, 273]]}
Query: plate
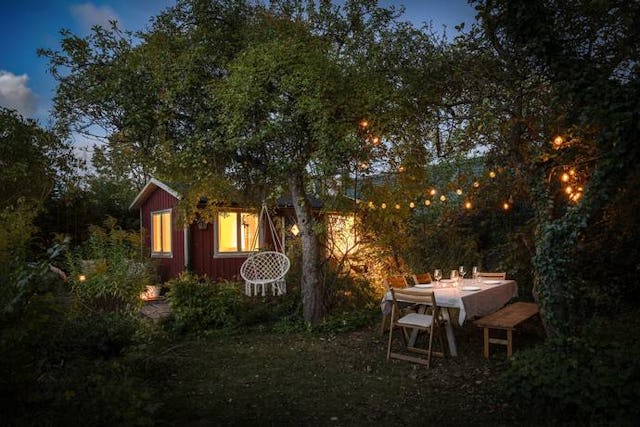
{"points": [[470, 288], [492, 282], [424, 285], [447, 280]]}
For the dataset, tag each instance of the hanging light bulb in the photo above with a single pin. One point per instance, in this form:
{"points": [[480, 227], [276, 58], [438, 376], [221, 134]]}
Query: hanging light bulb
{"points": [[492, 174], [568, 189], [564, 177], [467, 205], [427, 202], [433, 192], [371, 205], [412, 205], [364, 123], [82, 278], [572, 171], [476, 184], [558, 141], [459, 192], [397, 206], [506, 206], [383, 206], [443, 198], [375, 140], [401, 169]]}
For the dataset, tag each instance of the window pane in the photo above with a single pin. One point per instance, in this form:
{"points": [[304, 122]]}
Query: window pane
{"points": [[248, 230], [156, 233], [228, 232], [166, 232]]}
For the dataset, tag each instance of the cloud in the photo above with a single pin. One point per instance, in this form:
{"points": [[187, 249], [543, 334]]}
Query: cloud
{"points": [[15, 94], [88, 15]]}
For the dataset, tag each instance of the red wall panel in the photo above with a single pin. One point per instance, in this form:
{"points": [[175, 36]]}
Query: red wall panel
{"points": [[160, 200]]}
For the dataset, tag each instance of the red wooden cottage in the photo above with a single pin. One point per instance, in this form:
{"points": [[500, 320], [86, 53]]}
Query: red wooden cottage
{"points": [[216, 250]]}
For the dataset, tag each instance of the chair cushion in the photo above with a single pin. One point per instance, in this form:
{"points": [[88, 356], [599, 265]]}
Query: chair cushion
{"points": [[416, 319]]}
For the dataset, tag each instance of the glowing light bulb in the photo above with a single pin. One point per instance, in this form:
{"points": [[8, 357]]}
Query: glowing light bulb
{"points": [[572, 172], [467, 205], [476, 184], [433, 192], [492, 174], [371, 205], [375, 140], [443, 198], [295, 230], [506, 206], [427, 202], [383, 206], [397, 206], [364, 123], [568, 189], [558, 141], [565, 177], [459, 192], [401, 169], [412, 205], [82, 278]]}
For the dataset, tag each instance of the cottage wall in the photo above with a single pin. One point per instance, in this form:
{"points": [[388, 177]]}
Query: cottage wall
{"points": [[168, 267]]}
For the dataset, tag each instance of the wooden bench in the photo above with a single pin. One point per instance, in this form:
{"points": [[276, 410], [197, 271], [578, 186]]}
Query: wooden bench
{"points": [[507, 319]]}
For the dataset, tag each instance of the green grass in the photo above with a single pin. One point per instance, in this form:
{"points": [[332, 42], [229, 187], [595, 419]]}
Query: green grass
{"points": [[266, 378]]}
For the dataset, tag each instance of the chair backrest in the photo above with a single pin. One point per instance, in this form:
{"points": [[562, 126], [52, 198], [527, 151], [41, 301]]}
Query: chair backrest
{"points": [[397, 282], [496, 275], [268, 265], [421, 278], [414, 296]]}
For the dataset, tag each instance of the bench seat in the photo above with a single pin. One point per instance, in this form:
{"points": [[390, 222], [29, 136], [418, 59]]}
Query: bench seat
{"points": [[507, 319]]}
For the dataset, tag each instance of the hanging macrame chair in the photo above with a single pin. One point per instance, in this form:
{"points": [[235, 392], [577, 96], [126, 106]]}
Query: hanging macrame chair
{"points": [[265, 268]]}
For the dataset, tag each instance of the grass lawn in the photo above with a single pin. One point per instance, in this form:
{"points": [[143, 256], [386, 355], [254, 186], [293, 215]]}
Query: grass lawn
{"points": [[266, 378]]}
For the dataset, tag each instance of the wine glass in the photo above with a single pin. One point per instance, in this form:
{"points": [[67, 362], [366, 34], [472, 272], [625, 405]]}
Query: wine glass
{"points": [[474, 273], [454, 278], [462, 272], [437, 274]]}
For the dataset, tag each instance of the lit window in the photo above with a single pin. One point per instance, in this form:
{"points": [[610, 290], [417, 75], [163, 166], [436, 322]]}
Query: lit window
{"points": [[161, 233], [237, 232]]}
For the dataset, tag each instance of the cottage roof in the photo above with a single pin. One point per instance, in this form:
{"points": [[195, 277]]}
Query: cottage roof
{"points": [[148, 189]]}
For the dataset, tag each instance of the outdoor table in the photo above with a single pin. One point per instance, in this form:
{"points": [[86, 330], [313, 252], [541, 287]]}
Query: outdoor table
{"points": [[489, 298]]}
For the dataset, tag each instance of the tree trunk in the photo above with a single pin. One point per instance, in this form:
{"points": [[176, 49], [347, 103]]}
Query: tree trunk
{"points": [[312, 283]]}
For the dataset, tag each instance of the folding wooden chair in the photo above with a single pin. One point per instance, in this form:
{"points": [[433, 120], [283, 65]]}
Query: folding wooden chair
{"points": [[392, 282], [496, 276], [421, 278], [426, 320]]}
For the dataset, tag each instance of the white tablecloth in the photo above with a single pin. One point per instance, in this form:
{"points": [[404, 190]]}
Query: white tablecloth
{"points": [[489, 299]]}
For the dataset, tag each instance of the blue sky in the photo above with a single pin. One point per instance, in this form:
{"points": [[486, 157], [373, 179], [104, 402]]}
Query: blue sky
{"points": [[26, 25]]}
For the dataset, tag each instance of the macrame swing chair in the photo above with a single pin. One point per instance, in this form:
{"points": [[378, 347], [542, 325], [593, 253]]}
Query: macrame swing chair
{"points": [[265, 268]]}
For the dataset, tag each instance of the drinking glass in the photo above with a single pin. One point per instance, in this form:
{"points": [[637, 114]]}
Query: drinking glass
{"points": [[437, 274], [462, 271], [454, 277], [474, 273]]}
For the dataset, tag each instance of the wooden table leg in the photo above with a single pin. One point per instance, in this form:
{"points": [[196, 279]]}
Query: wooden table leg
{"points": [[486, 343], [509, 342], [448, 327]]}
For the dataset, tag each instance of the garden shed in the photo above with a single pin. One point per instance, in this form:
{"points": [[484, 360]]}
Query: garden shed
{"points": [[216, 250]]}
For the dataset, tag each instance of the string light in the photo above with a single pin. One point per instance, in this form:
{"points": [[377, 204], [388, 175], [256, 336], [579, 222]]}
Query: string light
{"points": [[375, 140], [476, 184], [397, 206], [371, 205], [443, 198], [459, 192], [558, 141], [364, 123], [400, 169], [568, 190], [82, 278], [492, 174], [412, 205], [467, 205], [565, 177], [506, 206], [427, 202], [383, 206], [433, 192]]}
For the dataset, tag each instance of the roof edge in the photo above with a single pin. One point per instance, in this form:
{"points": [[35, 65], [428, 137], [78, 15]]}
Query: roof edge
{"points": [[146, 191]]}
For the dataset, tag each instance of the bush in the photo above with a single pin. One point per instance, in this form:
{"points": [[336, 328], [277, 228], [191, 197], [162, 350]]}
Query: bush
{"points": [[592, 379], [108, 272], [198, 304]]}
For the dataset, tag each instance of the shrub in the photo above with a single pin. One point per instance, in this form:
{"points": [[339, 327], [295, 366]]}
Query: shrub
{"points": [[593, 378], [199, 304], [108, 272]]}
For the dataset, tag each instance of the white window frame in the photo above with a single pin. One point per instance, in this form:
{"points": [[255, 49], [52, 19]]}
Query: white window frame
{"points": [[216, 234], [162, 254]]}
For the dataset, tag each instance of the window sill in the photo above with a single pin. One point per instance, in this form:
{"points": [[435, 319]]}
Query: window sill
{"points": [[161, 255]]}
